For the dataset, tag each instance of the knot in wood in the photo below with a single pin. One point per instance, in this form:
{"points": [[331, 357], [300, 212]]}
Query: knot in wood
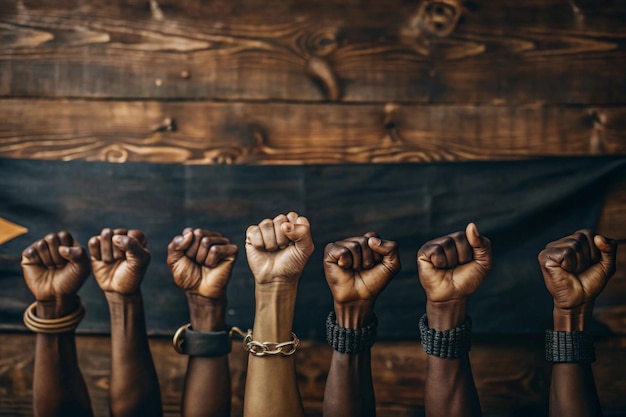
{"points": [[437, 17]]}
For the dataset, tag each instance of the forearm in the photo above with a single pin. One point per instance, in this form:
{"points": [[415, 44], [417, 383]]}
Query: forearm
{"points": [[134, 385], [449, 386], [207, 391], [349, 387], [58, 385], [271, 385], [572, 390]]}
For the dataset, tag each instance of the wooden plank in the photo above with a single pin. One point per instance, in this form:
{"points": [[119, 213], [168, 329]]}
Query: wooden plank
{"points": [[254, 133], [510, 374], [503, 52]]}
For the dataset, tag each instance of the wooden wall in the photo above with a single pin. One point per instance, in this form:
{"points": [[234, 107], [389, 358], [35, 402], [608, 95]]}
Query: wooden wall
{"points": [[343, 81]]}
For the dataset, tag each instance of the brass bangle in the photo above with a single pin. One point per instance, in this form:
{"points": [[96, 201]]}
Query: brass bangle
{"points": [[52, 326]]}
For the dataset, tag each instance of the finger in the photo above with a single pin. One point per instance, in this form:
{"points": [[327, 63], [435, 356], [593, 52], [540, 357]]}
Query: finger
{"points": [[94, 248], [593, 252], [377, 257], [192, 250], [559, 257], [117, 252], [106, 246], [269, 234], [72, 253], [30, 256], [608, 253], [464, 251], [254, 237], [205, 245], [181, 242], [433, 254], [367, 255], [356, 253], [339, 255], [448, 247], [293, 217], [220, 253], [53, 242], [300, 233], [388, 250], [133, 250], [138, 234], [44, 253], [573, 246], [282, 241], [481, 247], [65, 238]]}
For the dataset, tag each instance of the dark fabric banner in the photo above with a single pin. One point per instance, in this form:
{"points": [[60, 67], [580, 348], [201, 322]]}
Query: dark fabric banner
{"points": [[519, 205]]}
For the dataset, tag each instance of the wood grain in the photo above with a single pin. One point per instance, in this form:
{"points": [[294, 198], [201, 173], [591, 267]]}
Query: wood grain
{"points": [[251, 133], [504, 52], [510, 372]]}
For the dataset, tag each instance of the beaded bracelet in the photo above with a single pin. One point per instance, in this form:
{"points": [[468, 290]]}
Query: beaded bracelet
{"points": [[345, 340], [569, 347], [447, 344]]}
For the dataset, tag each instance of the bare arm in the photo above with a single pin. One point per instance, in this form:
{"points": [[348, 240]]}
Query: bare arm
{"points": [[277, 251], [119, 262], [451, 268], [201, 262], [357, 270], [55, 268], [576, 269]]}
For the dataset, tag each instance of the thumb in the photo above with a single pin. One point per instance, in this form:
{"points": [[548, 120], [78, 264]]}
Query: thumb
{"points": [[72, 253], [389, 251], [300, 234], [132, 248], [481, 246], [608, 252]]}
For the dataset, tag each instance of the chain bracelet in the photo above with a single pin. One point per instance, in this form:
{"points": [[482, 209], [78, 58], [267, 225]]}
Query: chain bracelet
{"points": [[271, 348]]}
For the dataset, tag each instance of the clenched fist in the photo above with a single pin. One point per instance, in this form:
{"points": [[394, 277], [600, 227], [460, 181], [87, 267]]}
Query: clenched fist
{"points": [[201, 262], [119, 259], [452, 267], [55, 266], [279, 248]]}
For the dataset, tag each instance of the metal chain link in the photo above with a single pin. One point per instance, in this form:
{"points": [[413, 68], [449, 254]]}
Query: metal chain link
{"points": [[270, 348]]}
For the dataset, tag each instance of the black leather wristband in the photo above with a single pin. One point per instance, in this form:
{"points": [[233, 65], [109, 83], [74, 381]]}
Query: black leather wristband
{"points": [[205, 344], [569, 347], [345, 340], [447, 344]]}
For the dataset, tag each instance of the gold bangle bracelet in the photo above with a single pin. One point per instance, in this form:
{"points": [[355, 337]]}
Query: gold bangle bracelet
{"points": [[51, 326]]}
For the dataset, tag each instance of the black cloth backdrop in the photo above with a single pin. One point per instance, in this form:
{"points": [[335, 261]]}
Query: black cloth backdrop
{"points": [[519, 205]]}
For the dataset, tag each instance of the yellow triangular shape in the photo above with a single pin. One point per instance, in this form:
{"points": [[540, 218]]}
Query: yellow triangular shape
{"points": [[10, 230]]}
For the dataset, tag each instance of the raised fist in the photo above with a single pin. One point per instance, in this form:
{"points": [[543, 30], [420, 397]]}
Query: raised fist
{"points": [[119, 259], [577, 267], [55, 266], [452, 267], [201, 262], [278, 249]]}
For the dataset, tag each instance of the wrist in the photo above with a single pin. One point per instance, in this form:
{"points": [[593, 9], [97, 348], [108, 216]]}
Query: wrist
{"points": [[574, 319], [206, 314], [273, 319], [114, 298], [446, 315], [353, 315], [57, 307]]}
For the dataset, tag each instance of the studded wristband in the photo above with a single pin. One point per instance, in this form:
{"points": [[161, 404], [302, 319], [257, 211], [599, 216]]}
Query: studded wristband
{"points": [[345, 340]]}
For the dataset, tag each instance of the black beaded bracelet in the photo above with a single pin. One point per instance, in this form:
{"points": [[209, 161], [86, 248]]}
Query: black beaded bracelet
{"points": [[345, 340], [569, 347], [447, 344], [206, 344]]}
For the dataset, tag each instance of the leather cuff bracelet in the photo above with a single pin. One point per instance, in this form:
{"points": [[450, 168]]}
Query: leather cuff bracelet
{"points": [[447, 344], [345, 340], [569, 347], [205, 344]]}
